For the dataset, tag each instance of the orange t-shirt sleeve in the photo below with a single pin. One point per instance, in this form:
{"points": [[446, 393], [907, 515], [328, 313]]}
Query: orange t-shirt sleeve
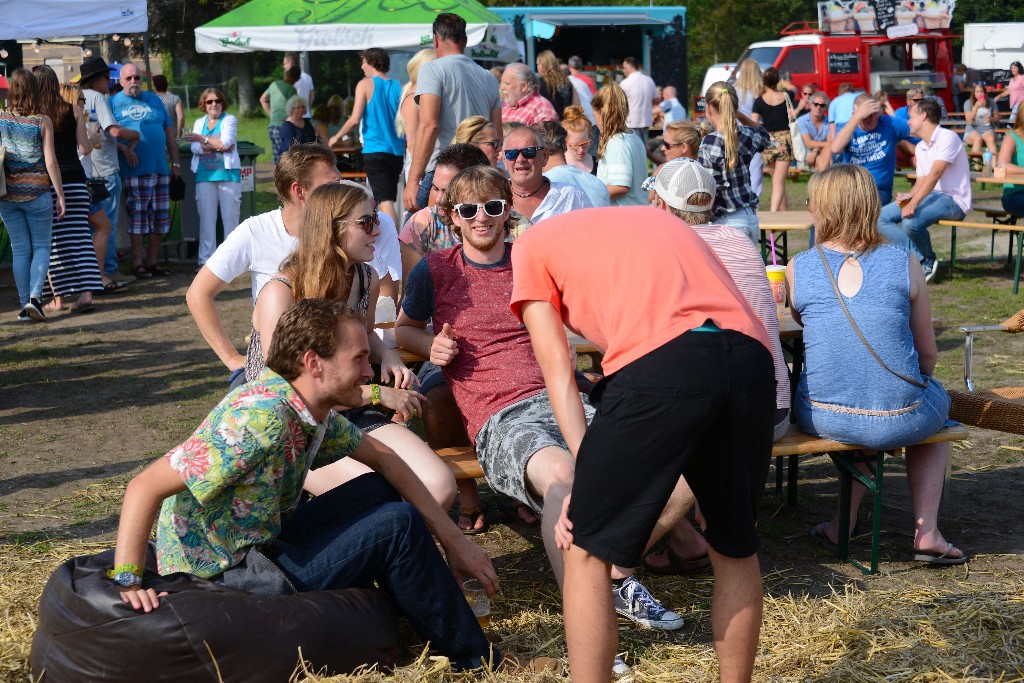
{"points": [[531, 280]]}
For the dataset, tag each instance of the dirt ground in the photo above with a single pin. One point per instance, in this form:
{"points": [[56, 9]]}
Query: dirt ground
{"points": [[88, 399]]}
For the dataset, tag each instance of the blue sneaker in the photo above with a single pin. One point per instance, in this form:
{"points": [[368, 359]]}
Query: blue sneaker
{"points": [[635, 602]]}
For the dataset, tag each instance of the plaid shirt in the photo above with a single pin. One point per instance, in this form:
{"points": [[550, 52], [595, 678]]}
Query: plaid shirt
{"points": [[734, 190], [530, 110]]}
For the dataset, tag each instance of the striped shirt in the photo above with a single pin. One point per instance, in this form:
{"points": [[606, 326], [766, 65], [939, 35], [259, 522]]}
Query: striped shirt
{"points": [[24, 163], [743, 261]]}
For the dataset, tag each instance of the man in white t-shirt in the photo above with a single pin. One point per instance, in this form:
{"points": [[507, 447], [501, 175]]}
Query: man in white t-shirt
{"points": [[558, 170], [449, 89], [260, 244], [641, 94], [942, 190], [303, 86], [533, 195]]}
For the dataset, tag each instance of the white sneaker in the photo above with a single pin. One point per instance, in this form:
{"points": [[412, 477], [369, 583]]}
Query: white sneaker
{"points": [[930, 269], [620, 669], [635, 602]]}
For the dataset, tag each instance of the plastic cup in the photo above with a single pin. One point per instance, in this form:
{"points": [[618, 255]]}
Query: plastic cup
{"points": [[478, 601], [777, 281]]}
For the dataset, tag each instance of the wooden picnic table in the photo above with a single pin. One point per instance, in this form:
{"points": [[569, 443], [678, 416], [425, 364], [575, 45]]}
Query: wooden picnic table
{"points": [[781, 222], [1016, 179]]}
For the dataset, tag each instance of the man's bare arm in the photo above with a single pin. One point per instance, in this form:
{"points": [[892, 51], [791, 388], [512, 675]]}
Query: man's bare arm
{"points": [[205, 287]]}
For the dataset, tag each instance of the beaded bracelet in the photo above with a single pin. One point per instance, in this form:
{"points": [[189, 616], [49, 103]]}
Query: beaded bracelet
{"points": [[375, 394], [121, 568]]}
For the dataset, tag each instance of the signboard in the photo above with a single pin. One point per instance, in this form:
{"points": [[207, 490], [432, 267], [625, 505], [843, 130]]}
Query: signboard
{"points": [[873, 16], [248, 179], [843, 62]]}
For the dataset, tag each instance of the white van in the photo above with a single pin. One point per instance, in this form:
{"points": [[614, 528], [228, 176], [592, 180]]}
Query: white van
{"points": [[722, 71]]}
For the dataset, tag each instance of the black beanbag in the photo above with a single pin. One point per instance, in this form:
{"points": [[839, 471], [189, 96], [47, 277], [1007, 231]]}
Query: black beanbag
{"points": [[86, 633]]}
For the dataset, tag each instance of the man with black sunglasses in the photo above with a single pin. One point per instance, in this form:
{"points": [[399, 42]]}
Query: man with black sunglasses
{"points": [[489, 364], [817, 134], [533, 195]]}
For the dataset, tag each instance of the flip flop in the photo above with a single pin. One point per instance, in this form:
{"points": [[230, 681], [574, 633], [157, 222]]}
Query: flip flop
{"points": [[81, 309], [818, 533], [678, 566], [942, 558], [474, 513], [112, 287], [141, 272], [158, 270]]}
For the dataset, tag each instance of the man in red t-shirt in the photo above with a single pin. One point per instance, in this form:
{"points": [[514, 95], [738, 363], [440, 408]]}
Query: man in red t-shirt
{"points": [[689, 391], [488, 362]]}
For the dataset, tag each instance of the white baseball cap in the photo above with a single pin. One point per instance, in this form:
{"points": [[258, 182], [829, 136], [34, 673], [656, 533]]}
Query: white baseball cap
{"points": [[680, 179]]}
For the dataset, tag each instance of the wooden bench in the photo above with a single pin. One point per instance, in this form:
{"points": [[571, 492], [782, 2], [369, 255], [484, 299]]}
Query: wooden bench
{"points": [[463, 464], [1011, 228]]}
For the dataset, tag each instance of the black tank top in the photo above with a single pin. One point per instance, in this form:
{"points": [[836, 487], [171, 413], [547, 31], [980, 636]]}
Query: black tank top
{"points": [[66, 145]]}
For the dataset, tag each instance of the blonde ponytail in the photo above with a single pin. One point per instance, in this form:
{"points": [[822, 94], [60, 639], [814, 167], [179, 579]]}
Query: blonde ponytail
{"points": [[723, 99]]}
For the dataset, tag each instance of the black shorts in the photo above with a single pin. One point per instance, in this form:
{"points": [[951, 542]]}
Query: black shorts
{"points": [[701, 406], [383, 171]]}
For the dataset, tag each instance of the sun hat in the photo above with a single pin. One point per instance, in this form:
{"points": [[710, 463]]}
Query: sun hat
{"points": [[91, 67], [680, 179]]}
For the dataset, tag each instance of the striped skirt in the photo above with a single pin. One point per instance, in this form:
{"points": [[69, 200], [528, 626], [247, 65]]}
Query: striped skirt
{"points": [[73, 265]]}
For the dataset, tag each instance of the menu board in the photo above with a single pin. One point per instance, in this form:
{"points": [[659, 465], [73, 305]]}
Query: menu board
{"points": [[843, 62], [873, 16]]}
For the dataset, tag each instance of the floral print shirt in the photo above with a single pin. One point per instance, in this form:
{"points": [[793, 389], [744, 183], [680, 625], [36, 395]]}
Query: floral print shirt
{"points": [[244, 468]]}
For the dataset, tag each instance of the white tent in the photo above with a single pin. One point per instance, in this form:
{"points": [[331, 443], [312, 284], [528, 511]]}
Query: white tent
{"points": [[282, 25], [64, 18]]}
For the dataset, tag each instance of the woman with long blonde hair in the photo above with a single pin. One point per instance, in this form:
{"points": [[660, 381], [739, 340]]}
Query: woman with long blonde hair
{"points": [[554, 85], [339, 228], [408, 119], [749, 86], [727, 152], [880, 395], [621, 154]]}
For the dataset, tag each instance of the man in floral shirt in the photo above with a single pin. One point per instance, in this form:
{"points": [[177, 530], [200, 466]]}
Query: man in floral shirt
{"points": [[234, 487]]}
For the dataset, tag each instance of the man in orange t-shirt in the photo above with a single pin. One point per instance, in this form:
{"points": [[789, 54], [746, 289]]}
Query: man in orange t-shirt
{"points": [[689, 391]]}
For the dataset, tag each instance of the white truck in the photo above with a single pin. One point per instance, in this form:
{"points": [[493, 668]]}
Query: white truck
{"points": [[993, 46]]}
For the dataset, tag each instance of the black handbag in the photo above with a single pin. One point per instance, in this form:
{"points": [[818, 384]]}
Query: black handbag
{"points": [[177, 188], [97, 190]]}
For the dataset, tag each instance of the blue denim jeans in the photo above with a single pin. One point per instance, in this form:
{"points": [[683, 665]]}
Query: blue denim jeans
{"points": [[360, 533], [744, 220], [111, 206], [30, 227], [1014, 204], [423, 194], [912, 233]]}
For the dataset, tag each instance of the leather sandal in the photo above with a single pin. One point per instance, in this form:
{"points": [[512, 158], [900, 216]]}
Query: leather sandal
{"points": [[678, 566], [473, 514]]}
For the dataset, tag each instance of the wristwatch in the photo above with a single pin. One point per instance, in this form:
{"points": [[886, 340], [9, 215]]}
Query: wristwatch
{"points": [[127, 579], [206, 141]]}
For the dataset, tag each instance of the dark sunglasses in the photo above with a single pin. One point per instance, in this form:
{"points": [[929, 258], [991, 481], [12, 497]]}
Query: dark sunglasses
{"points": [[496, 144], [367, 223], [818, 104], [808, 93], [214, 101], [528, 152], [492, 208], [132, 78], [665, 144]]}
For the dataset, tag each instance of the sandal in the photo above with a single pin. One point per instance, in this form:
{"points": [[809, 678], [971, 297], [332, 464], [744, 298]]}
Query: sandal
{"points": [[158, 270], [141, 272], [678, 566], [944, 558], [473, 514], [111, 287]]}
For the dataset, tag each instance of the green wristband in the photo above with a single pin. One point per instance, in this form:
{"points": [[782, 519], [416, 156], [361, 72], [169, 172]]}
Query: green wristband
{"points": [[375, 394], [130, 568]]}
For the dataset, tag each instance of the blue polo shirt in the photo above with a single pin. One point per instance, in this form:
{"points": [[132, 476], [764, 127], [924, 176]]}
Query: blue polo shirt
{"points": [[147, 115], [876, 151]]}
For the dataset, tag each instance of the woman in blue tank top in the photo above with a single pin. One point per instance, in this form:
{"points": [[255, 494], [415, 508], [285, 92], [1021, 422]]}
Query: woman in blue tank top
{"points": [[845, 393], [376, 106]]}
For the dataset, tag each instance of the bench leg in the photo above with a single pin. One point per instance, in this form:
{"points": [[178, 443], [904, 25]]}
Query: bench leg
{"points": [[1016, 270], [778, 474], [952, 249], [794, 474], [847, 464]]}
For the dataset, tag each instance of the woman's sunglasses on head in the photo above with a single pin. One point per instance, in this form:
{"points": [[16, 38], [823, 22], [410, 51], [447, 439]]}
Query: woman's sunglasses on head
{"points": [[492, 208]]}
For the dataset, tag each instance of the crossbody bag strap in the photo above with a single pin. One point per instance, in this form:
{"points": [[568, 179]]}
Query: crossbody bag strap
{"points": [[839, 296]]}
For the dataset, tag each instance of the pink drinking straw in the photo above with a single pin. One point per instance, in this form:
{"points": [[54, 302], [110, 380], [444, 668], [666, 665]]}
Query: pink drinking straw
{"points": [[771, 240]]}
